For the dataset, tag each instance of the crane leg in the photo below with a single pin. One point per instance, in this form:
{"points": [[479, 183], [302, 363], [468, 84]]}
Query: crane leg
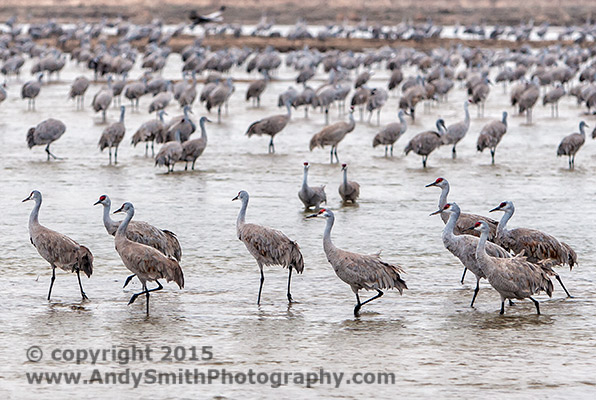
{"points": [[128, 279], [335, 152], [502, 307], [563, 286], [386, 151], [261, 285], [219, 115], [83, 295], [326, 116], [186, 165], [475, 292], [52, 281], [146, 148], [146, 292], [492, 156], [110, 152], [289, 280], [379, 116], [116, 155], [271, 147], [152, 150], [103, 116], [424, 161], [453, 153], [359, 305], [536, 304], [331, 155], [463, 275], [193, 164]]}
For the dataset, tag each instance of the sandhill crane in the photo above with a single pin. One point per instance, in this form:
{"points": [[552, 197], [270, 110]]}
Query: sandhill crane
{"points": [[30, 90], [305, 98], [479, 94], [46, 132], [528, 99], [103, 99], [463, 246], [270, 126], [77, 91], [391, 133], [149, 131], [289, 95], [268, 246], [536, 246], [360, 98], [181, 123], [491, 135], [332, 135], [3, 93], [411, 97], [58, 249], [207, 89], [376, 101], [134, 91], [572, 143], [362, 78], [311, 196], [325, 96], [147, 263], [256, 89], [457, 131], [192, 149], [360, 271], [170, 153], [198, 19], [426, 142], [113, 135], [161, 100], [552, 97], [219, 96], [141, 232], [395, 79], [513, 278], [348, 190]]}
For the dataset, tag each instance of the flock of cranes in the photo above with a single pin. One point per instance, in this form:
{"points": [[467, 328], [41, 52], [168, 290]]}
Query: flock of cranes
{"points": [[517, 263]]}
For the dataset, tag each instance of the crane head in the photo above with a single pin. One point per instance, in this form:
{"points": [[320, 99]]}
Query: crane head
{"points": [[103, 199], [480, 226], [126, 207], [440, 182], [306, 166], [504, 206], [446, 207], [344, 166], [322, 212], [241, 195], [33, 196]]}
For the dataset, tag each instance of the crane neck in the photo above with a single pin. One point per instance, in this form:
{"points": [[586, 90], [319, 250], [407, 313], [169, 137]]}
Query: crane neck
{"points": [[502, 227], [289, 108], [122, 115], [108, 222], [203, 130], [327, 243], [177, 136], [443, 196], [451, 222], [582, 130], [34, 217], [481, 246], [403, 123], [124, 224], [305, 178], [242, 214], [345, 177], [467, 115]]}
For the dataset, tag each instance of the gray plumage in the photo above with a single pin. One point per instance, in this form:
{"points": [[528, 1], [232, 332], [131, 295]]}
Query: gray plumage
{"points": [[134, 91], [141, 232], [78, 89], [376, 101], [268, 246], [270, 126], [149, 131], [170, 153], [528, 99], [348, 190], [311, 196], [102, 100], [219, 96], [182, 124], [58, 249], [456, 132], [147, 263], [255, 90], [362, 78], [552, 97], [30, 91], [463, 246], [192, 149], [113, 135], [333, 134], [46, 132], [160, 101], [513, 278], [572, 143], [491, 135], [425, 143], [305, 98], [391, 133], [360, 271]]}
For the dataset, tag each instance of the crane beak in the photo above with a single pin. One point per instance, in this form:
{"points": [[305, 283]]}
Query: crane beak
{"points": [[471, 228], [27, 199], [235, 198], [97, 202], [435, 213], [119, 210], [208, 120], [498, 208], [431, 184], [312, 216]]}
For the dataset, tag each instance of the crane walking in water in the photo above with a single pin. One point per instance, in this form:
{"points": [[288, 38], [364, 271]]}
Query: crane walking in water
{"points": [[360, 271], [58, 249], [147, 263], [268, 246], [536, 246], [46, 132], [332, 135], [311, 196], [513, 278], [348, 190], [571, 144]]}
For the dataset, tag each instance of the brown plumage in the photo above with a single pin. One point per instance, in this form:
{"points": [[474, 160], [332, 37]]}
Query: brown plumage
{"points": [[58, 249], [360, 271], [270, 126], [113, 135], [78, 89], [528, 99], [572, 143], [192, 149], [491, 135], [268, 246], [255, 90], [348, 190], [46, 132], [149, 131], [147, 263], [425, 143], [391, 133], [102, 100], [333, 134], [535, 245], [552, 97], [141, 232], [360, 98], [181, 123], [170, 153], [513, 278]]}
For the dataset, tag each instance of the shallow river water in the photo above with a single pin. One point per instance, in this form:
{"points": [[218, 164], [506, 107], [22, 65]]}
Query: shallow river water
{"points": [[432, 342]]}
